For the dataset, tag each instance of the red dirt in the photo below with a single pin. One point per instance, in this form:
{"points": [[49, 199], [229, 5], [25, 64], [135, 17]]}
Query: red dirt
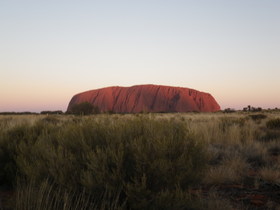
{"points": [[147, 98]]}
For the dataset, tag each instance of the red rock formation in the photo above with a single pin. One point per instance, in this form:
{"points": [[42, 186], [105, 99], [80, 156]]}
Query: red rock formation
{"points": [[147, 98]]}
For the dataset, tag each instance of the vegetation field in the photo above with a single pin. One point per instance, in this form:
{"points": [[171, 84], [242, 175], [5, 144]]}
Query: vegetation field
{"points": [[141, 161]]}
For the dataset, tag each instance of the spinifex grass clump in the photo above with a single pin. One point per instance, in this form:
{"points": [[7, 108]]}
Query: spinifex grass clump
{"points": [[149, 162], [50, 196]]}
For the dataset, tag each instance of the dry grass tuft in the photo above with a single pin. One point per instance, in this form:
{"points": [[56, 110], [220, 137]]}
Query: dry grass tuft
{"points": [[229, 171], [215, 202], [270, 174], [255, 154]]}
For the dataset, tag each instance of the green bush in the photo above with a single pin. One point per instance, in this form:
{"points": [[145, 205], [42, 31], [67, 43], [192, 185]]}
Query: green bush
{"points": [[84, 108]]}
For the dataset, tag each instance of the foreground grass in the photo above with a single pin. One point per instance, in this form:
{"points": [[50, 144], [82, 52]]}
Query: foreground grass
{"points": [[145, 161]]}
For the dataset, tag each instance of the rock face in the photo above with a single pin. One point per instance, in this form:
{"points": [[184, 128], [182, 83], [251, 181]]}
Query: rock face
{"points": [[147, 98]]}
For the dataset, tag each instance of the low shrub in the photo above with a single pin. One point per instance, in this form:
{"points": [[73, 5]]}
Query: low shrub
{"points": [[273, 124], [257, 117], [270, 134]]}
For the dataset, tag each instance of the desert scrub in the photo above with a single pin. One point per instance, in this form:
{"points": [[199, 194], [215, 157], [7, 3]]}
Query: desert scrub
{"points": [[139, 161], [145, 159]]}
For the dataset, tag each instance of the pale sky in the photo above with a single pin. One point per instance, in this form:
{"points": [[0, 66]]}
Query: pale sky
{"points": [[51, 50]]}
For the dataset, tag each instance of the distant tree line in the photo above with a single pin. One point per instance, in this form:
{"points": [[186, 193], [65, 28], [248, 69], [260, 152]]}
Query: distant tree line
{"points": [[17, 113], [84, 108], [250, 108], [52, 112], [32, 113], [229, 110]]}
